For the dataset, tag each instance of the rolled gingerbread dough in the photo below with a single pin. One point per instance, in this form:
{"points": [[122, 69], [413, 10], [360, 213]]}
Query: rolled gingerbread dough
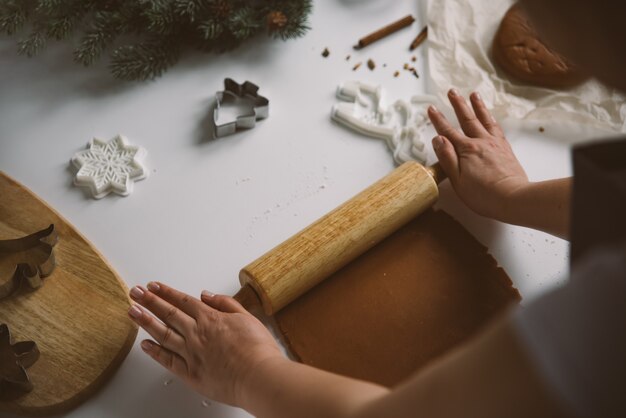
{"points": [[424, 290]]}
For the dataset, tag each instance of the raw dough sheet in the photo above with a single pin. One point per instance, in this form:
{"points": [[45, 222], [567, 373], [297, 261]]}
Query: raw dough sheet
{"points": [[422, 291]]}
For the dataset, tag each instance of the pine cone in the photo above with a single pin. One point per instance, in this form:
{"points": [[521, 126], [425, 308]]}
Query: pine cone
{"points": [[276, 20], [220, 8]]}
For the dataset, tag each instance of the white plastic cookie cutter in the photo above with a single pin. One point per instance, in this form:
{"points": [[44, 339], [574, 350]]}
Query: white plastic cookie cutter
{"points": [[109, 166], [401, 125]]}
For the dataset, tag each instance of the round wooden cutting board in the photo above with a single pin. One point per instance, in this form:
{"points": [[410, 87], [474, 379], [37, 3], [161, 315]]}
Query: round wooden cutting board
{"points": [[78, 317]]}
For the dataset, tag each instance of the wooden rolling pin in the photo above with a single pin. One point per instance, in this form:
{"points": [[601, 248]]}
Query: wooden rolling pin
{"points": [[293, 267]]}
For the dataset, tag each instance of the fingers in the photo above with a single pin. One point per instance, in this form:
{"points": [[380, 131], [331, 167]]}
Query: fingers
{"points": [[222, 303], [166, 312], [165, 357], [484, 116], [186, 303], [443, 127], [466, 116], [161, 332], [447, 156]]}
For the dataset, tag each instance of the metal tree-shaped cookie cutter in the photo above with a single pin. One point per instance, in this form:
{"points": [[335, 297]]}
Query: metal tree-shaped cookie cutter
{"points": [[233, 90], [14, 360], [33, 258]]}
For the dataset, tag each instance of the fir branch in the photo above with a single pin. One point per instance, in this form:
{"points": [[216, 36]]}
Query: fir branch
{"points": [[61, 28], [50, 7], [104, 28], [144, 61], [210, 29], [66, 19], [161, 16], [129, 17], [162, 29], [32, 45], [11, 23], [12, 17], [190, 8], [242, 23]]}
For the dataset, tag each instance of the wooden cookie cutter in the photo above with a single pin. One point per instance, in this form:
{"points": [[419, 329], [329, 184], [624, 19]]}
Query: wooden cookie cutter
{"points": [[33, 258], [232, 91], [14, 360]]}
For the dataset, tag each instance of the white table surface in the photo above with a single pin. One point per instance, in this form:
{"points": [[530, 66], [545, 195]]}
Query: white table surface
{"points": [[210, 207]]}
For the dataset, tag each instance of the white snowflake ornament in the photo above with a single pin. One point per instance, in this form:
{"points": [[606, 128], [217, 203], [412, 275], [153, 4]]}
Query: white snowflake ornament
{"points": [[111, 166]]}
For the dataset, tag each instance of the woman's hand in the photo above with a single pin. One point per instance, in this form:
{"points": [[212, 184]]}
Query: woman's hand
{"points": [[211, 344], [478, 161]]}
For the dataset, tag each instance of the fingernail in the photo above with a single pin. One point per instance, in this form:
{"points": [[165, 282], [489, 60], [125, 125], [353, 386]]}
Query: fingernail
{"points": [[207, 294], [136, 292], [154, 287], [454, 92], [477, 96], [146, 345], [433, 109], [135, 312], [437, 142]]}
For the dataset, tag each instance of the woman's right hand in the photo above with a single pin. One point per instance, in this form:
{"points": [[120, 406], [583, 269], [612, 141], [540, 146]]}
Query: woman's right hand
{"points": [[479, 161]]}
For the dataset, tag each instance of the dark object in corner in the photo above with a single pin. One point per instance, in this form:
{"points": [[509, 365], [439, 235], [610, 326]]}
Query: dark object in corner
{"points": [[598, 197]]}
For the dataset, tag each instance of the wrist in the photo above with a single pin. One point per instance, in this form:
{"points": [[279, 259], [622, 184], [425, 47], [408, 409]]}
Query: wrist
{"points": [[513, 202], [257, 378]]}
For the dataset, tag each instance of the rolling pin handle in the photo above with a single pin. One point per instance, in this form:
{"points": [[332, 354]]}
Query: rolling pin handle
{"points": [[248, 298], [436, 172]]}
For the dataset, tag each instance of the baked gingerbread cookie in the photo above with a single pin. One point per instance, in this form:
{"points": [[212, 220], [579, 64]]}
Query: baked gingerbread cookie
{"points": [[519, 51]]}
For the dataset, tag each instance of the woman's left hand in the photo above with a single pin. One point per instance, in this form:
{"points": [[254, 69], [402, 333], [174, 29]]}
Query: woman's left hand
{"points": [[211, 343]]}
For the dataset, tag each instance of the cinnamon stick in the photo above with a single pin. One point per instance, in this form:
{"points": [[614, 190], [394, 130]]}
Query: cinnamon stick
{"points": [[419, 39], [387, 30]]}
